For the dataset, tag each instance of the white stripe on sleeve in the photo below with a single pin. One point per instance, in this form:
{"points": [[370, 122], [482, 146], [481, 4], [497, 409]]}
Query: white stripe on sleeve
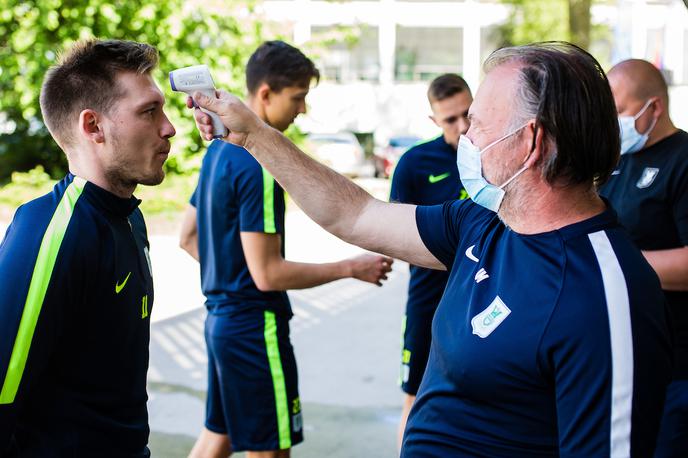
{"points": [[618, 310]]}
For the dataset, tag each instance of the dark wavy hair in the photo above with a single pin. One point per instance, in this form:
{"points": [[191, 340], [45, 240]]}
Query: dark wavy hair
{"points": [[279, 65], [566, 91]]}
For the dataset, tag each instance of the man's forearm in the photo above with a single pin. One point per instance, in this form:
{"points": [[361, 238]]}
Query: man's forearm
{"points": [[298, 275], [331, 200], [190, 245], [671, 267]]}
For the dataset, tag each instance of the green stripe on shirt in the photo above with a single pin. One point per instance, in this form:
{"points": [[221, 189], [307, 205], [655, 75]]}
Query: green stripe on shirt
{"points": [[42, 272], [268, 203]]}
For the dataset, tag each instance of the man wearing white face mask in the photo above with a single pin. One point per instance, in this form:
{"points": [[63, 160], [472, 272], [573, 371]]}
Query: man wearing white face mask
{"points": [[551, 337], [649, 190]]}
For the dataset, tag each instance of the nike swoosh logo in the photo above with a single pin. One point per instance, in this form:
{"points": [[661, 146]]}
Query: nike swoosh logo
{"points": [[119, 287], [469, 254], [434, 179]]}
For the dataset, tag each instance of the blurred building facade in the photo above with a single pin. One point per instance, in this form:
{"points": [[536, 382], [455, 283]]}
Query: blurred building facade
{"points": [[377, 56]]}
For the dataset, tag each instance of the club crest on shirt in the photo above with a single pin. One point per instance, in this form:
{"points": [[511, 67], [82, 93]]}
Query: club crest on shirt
{"points": [[487, 321], [648, 176]]}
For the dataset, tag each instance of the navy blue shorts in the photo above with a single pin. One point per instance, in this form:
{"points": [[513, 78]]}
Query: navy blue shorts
{"points": [[252, 382], [417, 335], [673, 433]]}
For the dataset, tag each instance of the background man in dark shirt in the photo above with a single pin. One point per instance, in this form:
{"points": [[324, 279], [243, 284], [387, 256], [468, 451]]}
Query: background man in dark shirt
{"points": [[649, 191], [425, 175]]}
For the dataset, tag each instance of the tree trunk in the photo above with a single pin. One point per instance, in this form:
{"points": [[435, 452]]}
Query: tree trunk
{"points": [[579, 22]]}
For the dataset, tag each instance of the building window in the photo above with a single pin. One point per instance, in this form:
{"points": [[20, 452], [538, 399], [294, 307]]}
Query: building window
{"points": [[347, 53], [422, 53], [491, 38]]}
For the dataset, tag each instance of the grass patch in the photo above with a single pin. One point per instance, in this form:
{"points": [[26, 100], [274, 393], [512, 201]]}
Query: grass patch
{"points": [[163, 204]]}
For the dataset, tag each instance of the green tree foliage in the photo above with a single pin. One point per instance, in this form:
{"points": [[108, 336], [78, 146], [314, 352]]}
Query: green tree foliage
{"points": [[567, 20], [579, 22], [33, 32], [536, 20]]}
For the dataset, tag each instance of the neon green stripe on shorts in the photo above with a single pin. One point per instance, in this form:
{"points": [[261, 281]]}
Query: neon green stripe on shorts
{"points": [[279, 384]]}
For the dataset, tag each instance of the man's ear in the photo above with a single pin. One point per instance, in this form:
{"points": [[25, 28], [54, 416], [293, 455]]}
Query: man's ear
{"points": [[537, 144], [263, 94], [90, 126], [659, 107]]}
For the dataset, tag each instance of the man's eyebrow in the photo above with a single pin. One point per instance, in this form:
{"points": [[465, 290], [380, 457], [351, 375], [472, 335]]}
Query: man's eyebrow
{"points": [[150, 103], [471, 117]]}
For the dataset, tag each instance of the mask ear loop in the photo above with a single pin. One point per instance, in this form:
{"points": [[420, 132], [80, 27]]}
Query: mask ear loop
{"points": [[640, 113], [654, 120], [523, 168]]}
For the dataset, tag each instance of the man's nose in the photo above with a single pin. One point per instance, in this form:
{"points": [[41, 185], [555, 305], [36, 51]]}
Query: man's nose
{"points": [[464, 124], [167, 130]]}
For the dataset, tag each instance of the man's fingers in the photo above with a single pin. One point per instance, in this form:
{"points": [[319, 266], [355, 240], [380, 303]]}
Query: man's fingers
{"points": [[209, 103], [201, 117]]}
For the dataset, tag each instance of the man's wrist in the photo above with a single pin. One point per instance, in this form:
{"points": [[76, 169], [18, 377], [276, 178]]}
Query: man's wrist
{"points": [[258, 136], [348, 268]]}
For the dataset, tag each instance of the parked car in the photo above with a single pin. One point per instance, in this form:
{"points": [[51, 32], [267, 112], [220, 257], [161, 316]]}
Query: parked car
{"points": [[386, 158], [340, 151]]}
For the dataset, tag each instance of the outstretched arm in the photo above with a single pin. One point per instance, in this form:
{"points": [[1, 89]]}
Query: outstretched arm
{"points": [[271, 272], [331, 200]]}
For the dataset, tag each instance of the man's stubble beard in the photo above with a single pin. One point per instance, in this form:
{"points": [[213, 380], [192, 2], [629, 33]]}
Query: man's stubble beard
{"points": [[124, 176]]}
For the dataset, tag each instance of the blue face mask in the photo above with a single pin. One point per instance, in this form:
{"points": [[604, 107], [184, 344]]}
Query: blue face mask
{"points": [[471, 173], [632, 140]]}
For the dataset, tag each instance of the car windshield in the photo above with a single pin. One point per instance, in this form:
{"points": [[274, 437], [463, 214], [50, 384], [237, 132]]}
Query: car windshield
{"points": [[403, 141]]}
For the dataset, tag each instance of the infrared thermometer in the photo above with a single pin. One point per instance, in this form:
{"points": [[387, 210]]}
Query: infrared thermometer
{"points": [[197, 78]]}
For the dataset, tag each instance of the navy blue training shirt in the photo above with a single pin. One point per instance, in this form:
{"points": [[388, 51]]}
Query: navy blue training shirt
{"points": [[77, 294], [235, 194], [649, 191], [427, 175], [553, 344]]}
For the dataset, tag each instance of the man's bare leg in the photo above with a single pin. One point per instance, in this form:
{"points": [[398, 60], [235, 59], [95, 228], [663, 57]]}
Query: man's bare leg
{"points": [[405, 409], [211, 445]]}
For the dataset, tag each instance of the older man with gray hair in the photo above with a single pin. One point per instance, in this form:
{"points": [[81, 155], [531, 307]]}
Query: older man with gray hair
{"points": [[551, 338]]}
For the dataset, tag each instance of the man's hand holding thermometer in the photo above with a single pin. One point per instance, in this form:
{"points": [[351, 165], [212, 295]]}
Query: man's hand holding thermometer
{"points": [[197, 79]]}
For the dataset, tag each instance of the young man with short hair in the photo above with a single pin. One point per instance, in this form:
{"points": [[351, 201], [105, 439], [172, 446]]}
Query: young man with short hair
{"points": [[75, 278], [427, 175], [235, 228]]}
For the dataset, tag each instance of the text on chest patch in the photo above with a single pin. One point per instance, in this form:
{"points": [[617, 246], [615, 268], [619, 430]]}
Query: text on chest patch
{"points": [[485, 322]]}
